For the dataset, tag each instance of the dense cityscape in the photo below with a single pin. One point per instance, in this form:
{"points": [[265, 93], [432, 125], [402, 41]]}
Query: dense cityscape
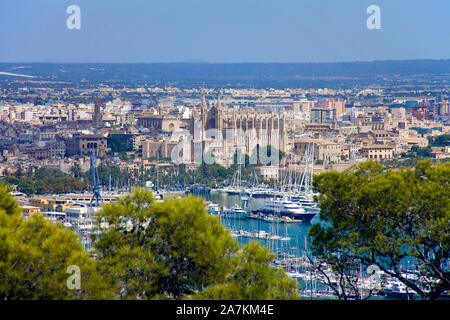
{"points": [[202, 159], [68, 148], [133, 129]]}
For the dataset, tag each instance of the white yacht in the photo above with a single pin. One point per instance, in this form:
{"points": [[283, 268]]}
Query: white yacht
{"points": [[285, 208], [260, 192], [235, 212], [306, 202], [233, 190]]}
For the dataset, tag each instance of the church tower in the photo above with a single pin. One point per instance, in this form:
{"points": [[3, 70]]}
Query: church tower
{"points": [[97, 116], [219, 114], [203, 116]]}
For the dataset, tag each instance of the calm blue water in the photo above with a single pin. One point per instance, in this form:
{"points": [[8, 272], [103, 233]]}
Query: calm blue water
{"points": [[298, 232]]}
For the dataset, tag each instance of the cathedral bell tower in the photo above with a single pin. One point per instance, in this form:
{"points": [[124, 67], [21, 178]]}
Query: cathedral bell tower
{"points": [[97, 116]]}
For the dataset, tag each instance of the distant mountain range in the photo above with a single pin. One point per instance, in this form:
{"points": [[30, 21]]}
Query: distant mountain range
{"points": [[257, 74]]}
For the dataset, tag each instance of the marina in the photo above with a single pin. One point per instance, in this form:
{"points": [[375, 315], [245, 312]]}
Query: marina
{"points": [[279, 219], [289, 243], [280, 223], [258, 213]]}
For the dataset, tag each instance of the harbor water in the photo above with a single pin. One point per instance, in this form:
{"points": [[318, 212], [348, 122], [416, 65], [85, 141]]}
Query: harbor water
{"points": [[297, 232]]}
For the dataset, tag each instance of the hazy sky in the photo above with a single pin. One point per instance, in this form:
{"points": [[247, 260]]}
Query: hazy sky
{"points": [[223, 31]]}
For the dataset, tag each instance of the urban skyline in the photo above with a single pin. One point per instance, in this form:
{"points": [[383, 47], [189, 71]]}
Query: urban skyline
{"points": [[224, 150]]}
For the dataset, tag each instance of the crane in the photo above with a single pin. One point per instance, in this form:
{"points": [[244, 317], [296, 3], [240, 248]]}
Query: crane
{"points": [[96, 199]]}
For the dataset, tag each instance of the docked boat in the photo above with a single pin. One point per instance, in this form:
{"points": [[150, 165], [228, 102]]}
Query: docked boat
{"points": [[287, 219], [261, 234], [236, 184], [232, 190], [235, 212], [300, 192], [261, 192], [306, 202], [285, 208], [273, 218], [395, 289], [213, 208], [198, 190]]}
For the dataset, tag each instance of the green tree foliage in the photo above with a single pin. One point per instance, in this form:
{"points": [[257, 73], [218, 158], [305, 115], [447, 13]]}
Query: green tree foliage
{"points": [[206, 174], [420, 152], [252, 279], [75, 170], [416, 151], [167, 249], [119, 177], [385, 218], [214, 171], [8, 204], [174, 249], [35, 255], [43, 181], [120, 143], [441, 141], [19, 172]]}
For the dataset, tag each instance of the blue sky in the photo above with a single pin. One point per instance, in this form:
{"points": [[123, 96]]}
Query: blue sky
{"points": [[223, 31]]}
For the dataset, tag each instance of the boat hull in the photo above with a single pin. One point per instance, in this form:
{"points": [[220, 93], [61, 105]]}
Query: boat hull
{"points": [[236, 215], [261, 195], [305, 217]]}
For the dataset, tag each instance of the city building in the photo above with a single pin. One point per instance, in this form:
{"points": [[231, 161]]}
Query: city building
{"points": [[377, 152], [85, 144]]}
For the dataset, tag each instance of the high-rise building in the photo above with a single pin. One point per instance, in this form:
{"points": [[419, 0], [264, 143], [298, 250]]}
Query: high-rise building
{"points": [[336, 104]]}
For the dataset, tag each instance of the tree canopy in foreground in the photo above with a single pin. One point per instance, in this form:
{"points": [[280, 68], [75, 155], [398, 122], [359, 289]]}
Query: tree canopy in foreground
{"points": [[150, 250], [386, 218], [174, 249], [35, 256]]}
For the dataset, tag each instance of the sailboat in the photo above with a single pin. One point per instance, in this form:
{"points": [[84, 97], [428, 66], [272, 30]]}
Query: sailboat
{"points": [[235, 212], [238, 212], [235, 187], [260, 190], [303, 194]]}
